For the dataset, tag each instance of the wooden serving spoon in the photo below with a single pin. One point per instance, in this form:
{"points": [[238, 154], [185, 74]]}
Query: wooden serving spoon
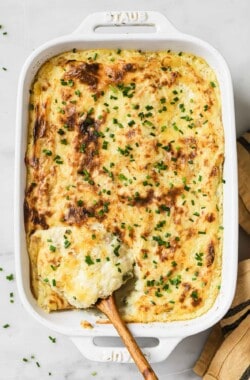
{"points": [[109, 308]]}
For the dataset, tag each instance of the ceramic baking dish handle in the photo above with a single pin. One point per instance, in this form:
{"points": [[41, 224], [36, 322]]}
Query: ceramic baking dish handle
{"points": [[133, 18], [93, 352]]}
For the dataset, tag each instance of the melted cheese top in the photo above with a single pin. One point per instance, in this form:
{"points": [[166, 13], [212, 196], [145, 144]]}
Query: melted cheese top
{"points": [[124, 173]]}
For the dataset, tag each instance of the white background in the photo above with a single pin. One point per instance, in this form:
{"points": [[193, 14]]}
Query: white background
{"points": [[224, 24]]}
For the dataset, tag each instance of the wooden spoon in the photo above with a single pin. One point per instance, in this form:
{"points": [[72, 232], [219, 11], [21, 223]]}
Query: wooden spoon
{"points": [[108, 307]]}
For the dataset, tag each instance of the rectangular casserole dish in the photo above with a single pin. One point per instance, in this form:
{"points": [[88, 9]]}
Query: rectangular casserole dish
{"points": [[164, 37]]}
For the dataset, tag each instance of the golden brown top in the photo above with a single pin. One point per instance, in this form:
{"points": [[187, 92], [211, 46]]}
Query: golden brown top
{"points": [[128, 143]]}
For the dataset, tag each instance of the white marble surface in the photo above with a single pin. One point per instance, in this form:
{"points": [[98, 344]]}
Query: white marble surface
{"points": [[225, 24]]}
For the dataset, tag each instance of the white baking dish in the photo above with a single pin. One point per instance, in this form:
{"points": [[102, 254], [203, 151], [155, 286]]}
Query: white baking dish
{"points": [[164, 37]]}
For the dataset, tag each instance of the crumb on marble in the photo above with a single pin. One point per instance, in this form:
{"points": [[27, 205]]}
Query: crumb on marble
{"points": [[86, 325]]}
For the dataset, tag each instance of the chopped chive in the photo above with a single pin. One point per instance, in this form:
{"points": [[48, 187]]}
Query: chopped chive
{"points": [[131, 123], [88, 260], [161, 242], [105, 145], [53, 340], [60, 132], [10, 277], [194, 295], [67, 243], [47, 152], [116, 250], [158, 294]]}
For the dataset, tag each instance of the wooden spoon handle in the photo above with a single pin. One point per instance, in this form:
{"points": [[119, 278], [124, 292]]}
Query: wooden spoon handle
{"points": [[108, 307]]}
